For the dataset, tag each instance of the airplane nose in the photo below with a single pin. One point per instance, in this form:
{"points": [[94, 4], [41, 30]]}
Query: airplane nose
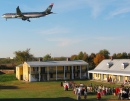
{"points": [[3, 16]]}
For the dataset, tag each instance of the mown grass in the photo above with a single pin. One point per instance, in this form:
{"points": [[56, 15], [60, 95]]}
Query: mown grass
{"points": [[14, 90], [7, 77]]}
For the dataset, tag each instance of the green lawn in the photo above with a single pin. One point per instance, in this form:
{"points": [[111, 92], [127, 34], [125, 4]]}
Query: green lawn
{"points": [[14, 90]]}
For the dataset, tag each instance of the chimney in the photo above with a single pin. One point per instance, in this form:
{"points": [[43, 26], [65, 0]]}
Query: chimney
{"points": [[67, 59], [111, 57], [40, 59]]}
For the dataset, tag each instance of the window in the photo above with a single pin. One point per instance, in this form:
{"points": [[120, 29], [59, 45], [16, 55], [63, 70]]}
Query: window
{"points": [[51, 68], [51, 75], [66, 68]]}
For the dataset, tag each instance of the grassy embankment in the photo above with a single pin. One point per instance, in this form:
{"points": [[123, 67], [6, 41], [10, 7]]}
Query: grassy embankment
{"points": [[14, 90]]}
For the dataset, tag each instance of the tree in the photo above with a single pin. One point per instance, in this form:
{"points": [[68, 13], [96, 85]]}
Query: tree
{"points": [[73, 57], [59, 59], [47, 57], [128, 55], [114, 56], [85, 57], [80, 56], [91, 60], [119, 56], [22, 56], [98, 59], [124, 55], [105, 53]]}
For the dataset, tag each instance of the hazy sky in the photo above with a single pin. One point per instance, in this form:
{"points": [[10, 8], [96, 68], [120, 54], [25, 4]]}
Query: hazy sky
{"points": [[79, 25]]}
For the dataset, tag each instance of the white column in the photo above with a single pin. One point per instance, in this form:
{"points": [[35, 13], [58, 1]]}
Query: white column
{"points": [[101, 77], [72, 72], [87, 72], [56, 72], [30, 75], [88, 75], [112, 78], [48, 74], [116, 78], [80, 72], [64, 72], [39, 74]]}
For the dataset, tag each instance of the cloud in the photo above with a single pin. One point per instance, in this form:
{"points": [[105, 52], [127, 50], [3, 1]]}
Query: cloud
{"points": [[104, 38], [69, 6], [119, 8], [119, 12], [55, 30], [64, 41], [98, 6], [95, 6]]}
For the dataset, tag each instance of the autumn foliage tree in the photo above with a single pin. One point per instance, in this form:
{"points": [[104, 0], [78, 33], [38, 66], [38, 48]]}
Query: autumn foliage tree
{"points": [[73, 57], [98, 59]]}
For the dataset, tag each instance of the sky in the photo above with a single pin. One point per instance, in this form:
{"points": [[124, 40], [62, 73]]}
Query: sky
{"points": [[78, 25]]}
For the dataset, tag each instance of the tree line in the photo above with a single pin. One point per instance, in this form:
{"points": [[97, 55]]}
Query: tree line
{"points": [[93, 59]]}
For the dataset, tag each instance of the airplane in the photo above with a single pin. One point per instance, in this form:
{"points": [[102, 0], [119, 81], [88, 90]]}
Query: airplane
{"points": [[26, 15]]}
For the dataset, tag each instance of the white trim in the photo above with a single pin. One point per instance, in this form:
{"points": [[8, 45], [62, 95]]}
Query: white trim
{"points": [[109, 72]]}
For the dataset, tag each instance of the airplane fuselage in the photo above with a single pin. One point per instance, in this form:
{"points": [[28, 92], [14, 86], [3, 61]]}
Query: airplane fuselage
{"points": [[28, 15]]}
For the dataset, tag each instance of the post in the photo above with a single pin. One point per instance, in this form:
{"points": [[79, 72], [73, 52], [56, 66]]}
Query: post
{"points": [[101, 77], [72, 72], [80, 72], [64, 72], [39, 74], [30, 75], [48, 74], [88, 75], [56, 72]]}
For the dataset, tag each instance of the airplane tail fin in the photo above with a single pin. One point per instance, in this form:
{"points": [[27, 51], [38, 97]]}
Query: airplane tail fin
{"points": [[18, 11], [48, 10]]}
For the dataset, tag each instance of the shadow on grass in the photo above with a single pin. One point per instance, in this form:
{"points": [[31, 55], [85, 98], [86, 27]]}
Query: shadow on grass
{"points": [[46, 99], [8, 87]]}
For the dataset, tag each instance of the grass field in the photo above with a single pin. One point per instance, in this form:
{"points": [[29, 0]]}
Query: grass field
{"points": [[14, 90]]}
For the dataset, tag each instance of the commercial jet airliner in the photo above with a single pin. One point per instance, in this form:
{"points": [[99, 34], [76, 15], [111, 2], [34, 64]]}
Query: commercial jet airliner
{"points": [[26, 15]]}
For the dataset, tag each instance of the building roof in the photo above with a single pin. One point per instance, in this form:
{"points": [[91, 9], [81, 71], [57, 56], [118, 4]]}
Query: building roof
{"points": [[56, 63], [19, 65], [114, 67]]}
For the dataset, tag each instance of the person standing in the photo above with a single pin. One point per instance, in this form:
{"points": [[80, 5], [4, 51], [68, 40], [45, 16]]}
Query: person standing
{"points": [[78, 95], [98, 95], [85, 94]]}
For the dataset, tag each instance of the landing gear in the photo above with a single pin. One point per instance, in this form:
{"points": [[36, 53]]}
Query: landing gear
{"points": [[28, 20]]}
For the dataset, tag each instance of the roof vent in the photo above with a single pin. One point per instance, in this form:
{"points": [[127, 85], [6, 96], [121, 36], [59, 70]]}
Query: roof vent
{"points": [[109, 64], [124, 65]]}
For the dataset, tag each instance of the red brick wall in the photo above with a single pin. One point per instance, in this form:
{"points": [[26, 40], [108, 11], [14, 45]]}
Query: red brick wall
{"points": [[7, 71]]}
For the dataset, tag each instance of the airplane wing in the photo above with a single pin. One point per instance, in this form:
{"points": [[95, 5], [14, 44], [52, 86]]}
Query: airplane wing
{"points": [[20, 15]]}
